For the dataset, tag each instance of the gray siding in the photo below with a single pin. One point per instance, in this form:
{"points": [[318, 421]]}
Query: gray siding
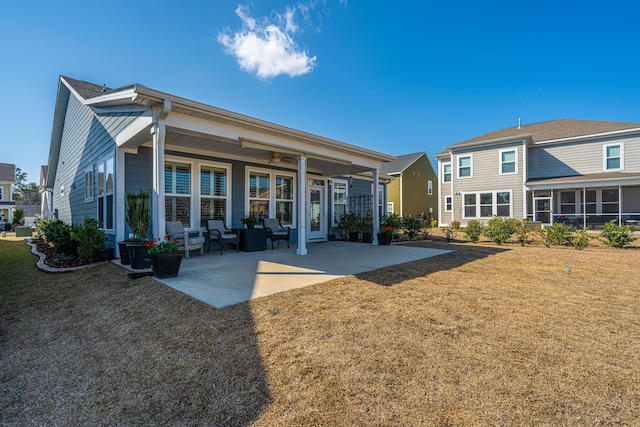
{"points": [[87, 138], [579, 158]]}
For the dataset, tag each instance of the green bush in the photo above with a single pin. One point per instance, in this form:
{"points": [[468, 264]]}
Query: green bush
{"points": [[499, 229], [450, 233], [18, 218], [617, 236], [434, 223], [473, 230], [580, 239], [411, 226], [521, 230], [455, 225], [59, 235], [556, 235], [90, 239], [41, 226]]}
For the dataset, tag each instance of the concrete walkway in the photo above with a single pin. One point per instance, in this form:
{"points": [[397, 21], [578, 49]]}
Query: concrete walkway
{"points": [[231, 278]]}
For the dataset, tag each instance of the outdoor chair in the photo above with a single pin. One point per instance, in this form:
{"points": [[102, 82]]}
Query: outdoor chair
{"points": [[275, 230], [176, 231], [221, 234]]}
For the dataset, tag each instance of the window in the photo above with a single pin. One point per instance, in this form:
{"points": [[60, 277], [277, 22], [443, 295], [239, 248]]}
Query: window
{"points": [[446, 172], [489, 204], [105, 193], [508, 163], [271, 195], [340, 194], [610, 201], [613, 157], [177, 187], [486, 204], [389, 207], [464, 167], [590, 202], [568, 202], [213, 193], [88, 186], [448, 203], [1, 193], [430, 188]]}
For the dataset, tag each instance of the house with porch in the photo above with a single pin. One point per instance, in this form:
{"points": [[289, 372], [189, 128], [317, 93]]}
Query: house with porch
{"points": [[7, 183], [582, 172], [198, 162], [414, 188]]}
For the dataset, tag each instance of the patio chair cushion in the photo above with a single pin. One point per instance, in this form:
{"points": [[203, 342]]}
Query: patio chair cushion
{"points": [[275, 230], [175, 231], [218, 232]]}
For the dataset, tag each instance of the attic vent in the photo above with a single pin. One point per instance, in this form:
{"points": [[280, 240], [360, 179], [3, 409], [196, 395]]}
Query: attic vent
{"points": [[104, 88], [519, 123]]}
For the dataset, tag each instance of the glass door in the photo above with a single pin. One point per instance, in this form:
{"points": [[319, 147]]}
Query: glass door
{"points": [[316, 224]]}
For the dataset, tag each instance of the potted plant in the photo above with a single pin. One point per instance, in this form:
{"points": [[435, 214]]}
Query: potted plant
{"points": [[165, 257], [389, 225], [385, 235], [352, 225], [366, 228], [138, 217], [250, 221]]}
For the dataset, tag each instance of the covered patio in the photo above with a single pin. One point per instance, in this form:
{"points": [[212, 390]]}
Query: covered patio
{"points": [[231, 278]]}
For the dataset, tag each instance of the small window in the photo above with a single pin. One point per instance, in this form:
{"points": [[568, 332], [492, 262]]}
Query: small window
{"points": [[340, 191], [486, 204], [446, 172], [508, 163], [464, 167], [389, 207], [613, 157], [503, 203], [430, 188], [470, 205], [448, 203], [1, 193], [88, 185]]}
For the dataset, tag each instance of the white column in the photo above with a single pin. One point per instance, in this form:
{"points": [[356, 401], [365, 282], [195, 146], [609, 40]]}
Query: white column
{"points": [[619, 204], [376, 203], [121, 197], [302, 205], [158, 131]]}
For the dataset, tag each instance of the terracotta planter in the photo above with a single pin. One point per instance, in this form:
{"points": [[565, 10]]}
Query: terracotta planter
{"points": [[384, 239], [139, 255], [166, 265]]}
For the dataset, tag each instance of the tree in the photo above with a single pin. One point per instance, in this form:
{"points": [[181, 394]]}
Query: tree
{"points": [[25, 193]]}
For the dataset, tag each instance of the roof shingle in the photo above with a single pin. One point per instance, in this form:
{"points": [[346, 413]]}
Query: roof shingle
{"points": [[7, 172]]}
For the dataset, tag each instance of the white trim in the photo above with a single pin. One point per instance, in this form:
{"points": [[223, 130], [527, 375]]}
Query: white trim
{"points": [[605, 158], [272, 190], [445, 203], [194, 209], [429, 187], [89, 187], [334, 220], [458, 158], [450, 173], [228, 168], [501, 163]]}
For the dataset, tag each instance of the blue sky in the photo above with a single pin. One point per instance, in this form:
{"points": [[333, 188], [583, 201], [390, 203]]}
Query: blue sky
{"points": [[397, 77]]}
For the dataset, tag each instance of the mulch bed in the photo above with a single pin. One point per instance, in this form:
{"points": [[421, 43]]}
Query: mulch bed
{"points": [[53, 258]]}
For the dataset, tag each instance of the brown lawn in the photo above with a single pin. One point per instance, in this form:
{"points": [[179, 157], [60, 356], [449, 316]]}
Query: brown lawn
{"points": [[493, 335]]}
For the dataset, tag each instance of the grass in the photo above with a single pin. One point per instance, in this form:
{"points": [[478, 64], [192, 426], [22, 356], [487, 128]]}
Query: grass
{"points": [[490, 336]]}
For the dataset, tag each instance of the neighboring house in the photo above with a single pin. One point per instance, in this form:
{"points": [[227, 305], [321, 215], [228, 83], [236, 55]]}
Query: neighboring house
{"points": [[45, 195], [7, 183], [198, 162], [581, 172], [31, 214], [414, 189]]}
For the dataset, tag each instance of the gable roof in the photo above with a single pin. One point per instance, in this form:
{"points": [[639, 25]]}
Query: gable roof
{"points": [[401, 163], [548, 131], [30, 210], [7, 172]]}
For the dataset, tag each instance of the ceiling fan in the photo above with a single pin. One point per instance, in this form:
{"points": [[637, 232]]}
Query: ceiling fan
{"points": [[276, 158]]}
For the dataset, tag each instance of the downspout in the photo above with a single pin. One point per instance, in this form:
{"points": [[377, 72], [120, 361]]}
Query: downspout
{"points": [[376, 204], [619, 204], [158, 132], [584, 207], [302, 205]]}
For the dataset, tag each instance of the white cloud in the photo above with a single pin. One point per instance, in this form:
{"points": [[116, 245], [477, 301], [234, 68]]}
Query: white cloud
{"points": [[265, 49]]}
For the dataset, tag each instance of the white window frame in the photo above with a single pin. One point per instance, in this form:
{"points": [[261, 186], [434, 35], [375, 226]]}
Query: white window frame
{"points": [[89, 185], [515, 161], [430, 188], [105, 174], [334, 220], [389, 207], [1, 192], [448, 203], [605, 158], [470, 156], [194, 210], [494, 204], [227, 197], [450, 173], [272, 190]]}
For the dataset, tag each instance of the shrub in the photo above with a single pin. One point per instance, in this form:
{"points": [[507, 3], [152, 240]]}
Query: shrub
{"points": [[59, 235], [580, 239], [411, 225], [41, 226], [434, 223], [455, 225], [499, 229], [521, 230], [90, 239], [18, 217], [450, 233], [392, 220], [556, 234], [473, 230], [617, 236]]}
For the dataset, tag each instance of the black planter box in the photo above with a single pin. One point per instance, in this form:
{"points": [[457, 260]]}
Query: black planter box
{"points": [[139, 255], [253, 239], [105, 254], [384, 239], [166, 265], [367, 237], [353, 236]]}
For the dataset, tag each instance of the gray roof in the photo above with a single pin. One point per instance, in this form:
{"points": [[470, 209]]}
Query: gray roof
{"points": [[401, 163], [546, 131], [89, 90], [29, 210], [7, 172]]}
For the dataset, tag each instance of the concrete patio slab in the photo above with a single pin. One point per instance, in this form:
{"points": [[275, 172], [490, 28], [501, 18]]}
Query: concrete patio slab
{"points": [[231, 278]]}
